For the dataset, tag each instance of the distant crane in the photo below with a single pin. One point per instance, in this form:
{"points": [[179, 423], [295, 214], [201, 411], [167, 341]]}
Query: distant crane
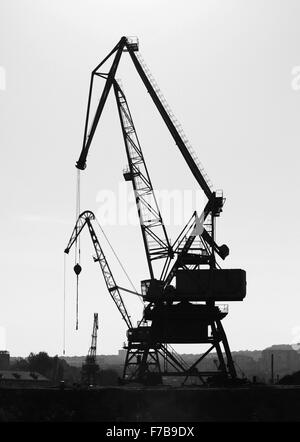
{"points": [[90, 369]]}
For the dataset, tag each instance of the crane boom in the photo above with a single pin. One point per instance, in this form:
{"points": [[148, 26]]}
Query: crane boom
{"points": [[154, 233], [87, 139], [173, 127], [85, 218], [174, 131]]}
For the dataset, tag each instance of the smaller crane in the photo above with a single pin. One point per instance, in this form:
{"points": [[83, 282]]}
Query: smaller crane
{"points": [[90, 369]]}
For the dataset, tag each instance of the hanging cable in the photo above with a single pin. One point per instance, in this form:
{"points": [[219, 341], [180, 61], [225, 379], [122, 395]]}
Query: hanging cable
{"points": [[64, 310], [77, 266], [77, 242], [76, 302], [77, 270]]}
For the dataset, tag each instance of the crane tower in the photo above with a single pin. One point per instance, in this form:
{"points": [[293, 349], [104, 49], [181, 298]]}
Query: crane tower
{"points": [[90, 369]]}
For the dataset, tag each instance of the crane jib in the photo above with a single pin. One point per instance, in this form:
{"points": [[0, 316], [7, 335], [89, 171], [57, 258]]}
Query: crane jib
{"points": [[85, 218], [178, 138]]}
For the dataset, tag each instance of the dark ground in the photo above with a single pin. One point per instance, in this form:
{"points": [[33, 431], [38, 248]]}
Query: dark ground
{"points": [[125, 404]]}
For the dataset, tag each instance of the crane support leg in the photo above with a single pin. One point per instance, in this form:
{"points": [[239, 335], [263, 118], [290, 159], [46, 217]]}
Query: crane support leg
{"points": [[230, 364], [141, 364], [222, 365]]}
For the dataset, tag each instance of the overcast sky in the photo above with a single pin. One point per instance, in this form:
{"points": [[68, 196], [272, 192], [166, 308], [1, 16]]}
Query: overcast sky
{"points": [[226, 69]]}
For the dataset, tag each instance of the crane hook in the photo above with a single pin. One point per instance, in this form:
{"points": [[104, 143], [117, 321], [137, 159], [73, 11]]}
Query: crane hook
{"points": [[77, 269]]}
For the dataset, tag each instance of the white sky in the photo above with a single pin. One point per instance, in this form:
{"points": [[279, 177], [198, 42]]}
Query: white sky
{"points": [[225, 68]]}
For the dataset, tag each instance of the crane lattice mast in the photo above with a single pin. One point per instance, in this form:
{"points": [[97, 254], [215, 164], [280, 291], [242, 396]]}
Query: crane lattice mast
{"points": [[156, 241], [90, 369], [93, 348]]}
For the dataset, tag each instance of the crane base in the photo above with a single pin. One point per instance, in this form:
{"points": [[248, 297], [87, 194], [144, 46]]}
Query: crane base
{"points": [[150, 361]]}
